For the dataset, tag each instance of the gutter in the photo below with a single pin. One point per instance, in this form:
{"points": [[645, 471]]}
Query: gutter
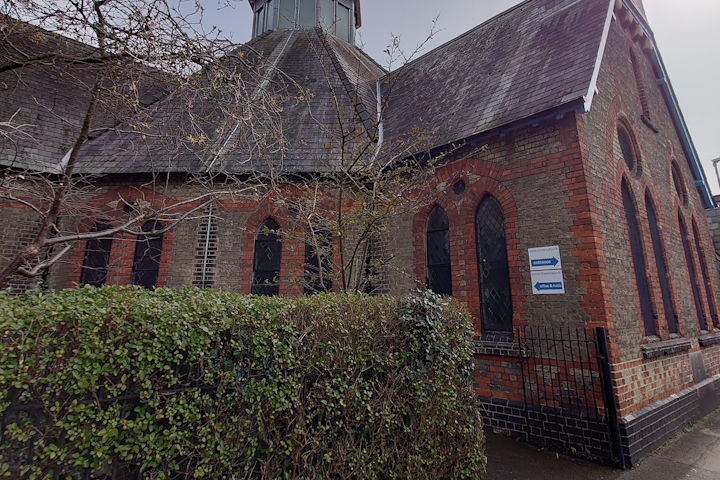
{"points": [[700, 180]]}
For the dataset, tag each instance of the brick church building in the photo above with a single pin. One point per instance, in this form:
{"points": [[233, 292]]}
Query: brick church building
{"points": [[569, 197]]}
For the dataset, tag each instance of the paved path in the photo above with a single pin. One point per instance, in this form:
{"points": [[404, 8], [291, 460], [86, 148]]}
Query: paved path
{"points": [[694, 455]]}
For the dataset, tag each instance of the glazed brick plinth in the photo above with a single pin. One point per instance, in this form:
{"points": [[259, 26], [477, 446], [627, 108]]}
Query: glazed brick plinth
{"points": [[647, 429], [548, 428]]}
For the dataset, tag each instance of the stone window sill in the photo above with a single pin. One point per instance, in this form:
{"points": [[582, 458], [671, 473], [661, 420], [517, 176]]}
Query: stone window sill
{"points": [[709, 339], [497, 348], [666, 347]]}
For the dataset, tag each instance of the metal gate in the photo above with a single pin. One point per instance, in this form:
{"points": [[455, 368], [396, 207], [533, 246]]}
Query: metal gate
{"points": [[567, 399]]}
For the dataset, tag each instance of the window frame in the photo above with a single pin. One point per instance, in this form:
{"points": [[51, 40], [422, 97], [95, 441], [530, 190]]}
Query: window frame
{"points": [[86, 270], [671, 316], [269, 232], [502, 329], [637, 256], [145, 243], [438, 275]]}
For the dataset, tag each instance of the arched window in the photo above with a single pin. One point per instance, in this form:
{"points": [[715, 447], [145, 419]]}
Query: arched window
{"points": [[706, 278], [97, 257], [148, 249], [318, 262], [691, 273], [659, 252], [437, 246], [626, 147], [638, 260], [493, 271], [266, 265]]}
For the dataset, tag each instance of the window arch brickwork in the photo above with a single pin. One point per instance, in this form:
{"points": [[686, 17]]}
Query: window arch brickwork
{"points": [[660, 264], [692, 274], [638, 259], [705, 277]]}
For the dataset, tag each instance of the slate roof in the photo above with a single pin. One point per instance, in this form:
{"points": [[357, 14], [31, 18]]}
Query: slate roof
{"points": [[50, 96], [530, 59], [305, 68], [535, 57]]}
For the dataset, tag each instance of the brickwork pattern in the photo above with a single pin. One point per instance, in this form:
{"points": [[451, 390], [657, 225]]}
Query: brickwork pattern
{"points": [[18, 230], [640, 382]]}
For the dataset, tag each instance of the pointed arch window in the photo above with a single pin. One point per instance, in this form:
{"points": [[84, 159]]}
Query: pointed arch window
{"points": [[318, 262], [146, 263], [437, 246], [679, 183], [626, 148], [659, 252], [691, 273], [638, 259], [704, 272], [97, 257], [493, 270], [266, 264]]}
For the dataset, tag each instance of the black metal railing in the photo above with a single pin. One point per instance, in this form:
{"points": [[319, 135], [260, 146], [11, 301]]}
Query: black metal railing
{"points": [[560, 370]]}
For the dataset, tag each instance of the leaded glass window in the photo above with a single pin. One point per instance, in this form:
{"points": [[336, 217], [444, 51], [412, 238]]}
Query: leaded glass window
{"points": [[691, 273], [318, 262], [306, 13], [327, 14], [659, 252], [638, 259], [286, 17], [438, 252], [259, 21], [97, 258], [148, 248], [493, 270], [269, 15], [266, 264], [342, 28]]}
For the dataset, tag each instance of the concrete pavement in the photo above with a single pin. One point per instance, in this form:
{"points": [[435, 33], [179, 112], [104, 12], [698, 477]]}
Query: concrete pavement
{"points": [[692, 455]]}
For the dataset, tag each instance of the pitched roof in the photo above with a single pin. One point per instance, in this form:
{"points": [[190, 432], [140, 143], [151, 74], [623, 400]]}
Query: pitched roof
{"points": [[532, 58], [305, 69], [537, 56], [45, 82]]}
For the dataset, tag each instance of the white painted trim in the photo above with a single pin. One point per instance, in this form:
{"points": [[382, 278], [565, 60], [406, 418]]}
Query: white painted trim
{"points": [[599, 58], [381, 134]]}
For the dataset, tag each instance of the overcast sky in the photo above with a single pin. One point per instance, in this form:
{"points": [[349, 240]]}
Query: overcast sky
{"points": [[687, 33]]}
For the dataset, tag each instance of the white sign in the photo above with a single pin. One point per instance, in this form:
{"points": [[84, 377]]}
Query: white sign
{"points": [[545, 258], [548, 282]]}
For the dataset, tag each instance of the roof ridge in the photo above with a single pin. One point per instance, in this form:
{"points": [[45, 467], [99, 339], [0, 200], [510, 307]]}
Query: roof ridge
{"points": [[58, 36], [352, 92]]}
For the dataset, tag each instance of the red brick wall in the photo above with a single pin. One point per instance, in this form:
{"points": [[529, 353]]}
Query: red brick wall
{"points": [[640, 382]]}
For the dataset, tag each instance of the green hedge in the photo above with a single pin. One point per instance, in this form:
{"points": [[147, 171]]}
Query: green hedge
{"points": [[207, 384]]}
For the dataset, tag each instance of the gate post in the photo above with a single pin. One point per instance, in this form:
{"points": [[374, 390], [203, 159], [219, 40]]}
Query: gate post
{"points": [[609, 394]]}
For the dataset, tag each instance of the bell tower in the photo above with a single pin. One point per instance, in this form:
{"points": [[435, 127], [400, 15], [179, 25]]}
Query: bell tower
{"points": [[340, 18]]}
